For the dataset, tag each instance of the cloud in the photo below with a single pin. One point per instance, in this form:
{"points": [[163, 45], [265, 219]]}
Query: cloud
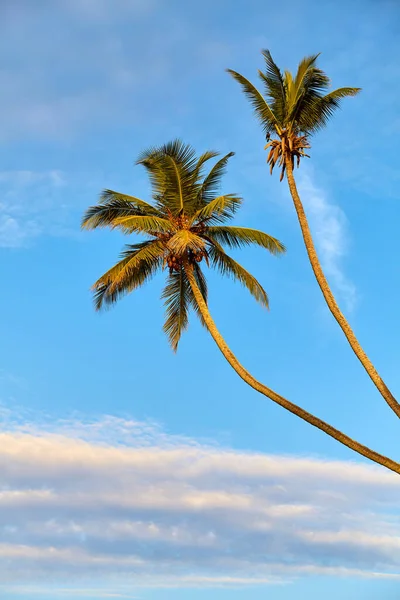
{"points": [[122, 502], [30, 204], [329, 227]]}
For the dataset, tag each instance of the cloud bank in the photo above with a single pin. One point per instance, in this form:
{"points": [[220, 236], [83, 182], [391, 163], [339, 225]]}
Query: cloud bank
{"points": [[123, 503]]}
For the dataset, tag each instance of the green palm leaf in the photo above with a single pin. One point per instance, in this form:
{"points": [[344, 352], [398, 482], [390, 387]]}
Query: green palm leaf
{"points": [[218, 210], [212, 182], [274, 86], [171, 170], [229, 267], [114, 205], [237, 237], [262, 110], [184, 240], [139, 263], [177, 295], [319, 110], [143, 224], [203, 158]]}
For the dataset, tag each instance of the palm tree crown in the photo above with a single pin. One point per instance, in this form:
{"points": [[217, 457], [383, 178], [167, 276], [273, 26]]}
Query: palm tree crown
{"points": [[183, 226], [293, 108]]}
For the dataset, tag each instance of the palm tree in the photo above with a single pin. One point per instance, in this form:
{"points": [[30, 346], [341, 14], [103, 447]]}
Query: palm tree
{"points": [[292, 110], [185, 228]]}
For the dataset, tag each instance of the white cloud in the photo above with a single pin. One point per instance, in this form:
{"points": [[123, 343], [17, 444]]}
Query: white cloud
{"points": [[329, 227], [30, 204], [123, 503]]}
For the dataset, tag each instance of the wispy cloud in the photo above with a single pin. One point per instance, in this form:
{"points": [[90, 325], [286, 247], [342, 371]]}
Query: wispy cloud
{"points": [[329, 227], [111, 497], [30, 204]]}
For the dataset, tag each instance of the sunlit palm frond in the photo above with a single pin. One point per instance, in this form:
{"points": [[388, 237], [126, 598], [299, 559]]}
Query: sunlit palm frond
{"points": [[171, 169], [314, 85], [229, 267], [212, 182], [113, 205], [143, 224], [237, 237], [262, 109], [218, 210], [319, 111], [274, 87], [177, 296], [138, 264], [202, 160], [183, 241]]}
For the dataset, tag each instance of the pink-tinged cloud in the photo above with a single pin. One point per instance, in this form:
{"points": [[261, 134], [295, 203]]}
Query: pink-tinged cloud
{"points": [[122, 499]]}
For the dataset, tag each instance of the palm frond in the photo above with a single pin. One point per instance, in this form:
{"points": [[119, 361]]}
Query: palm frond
{"points": [[184, 240], [318, 112], [262, 109], [312, 87], [237, 237], [113, 205], [274, 86], [212, 182], [139, 263], [229, 267], [303, 70], [203, 158], [218, 210], [171, 170], [177, 297], [143, 224]]}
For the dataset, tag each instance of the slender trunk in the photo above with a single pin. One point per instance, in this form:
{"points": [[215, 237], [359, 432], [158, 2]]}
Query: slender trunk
{"points": [[259, 387], [330, 299]]}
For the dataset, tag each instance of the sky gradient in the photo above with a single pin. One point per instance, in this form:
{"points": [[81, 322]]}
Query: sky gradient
{"points": [[128, 471]]}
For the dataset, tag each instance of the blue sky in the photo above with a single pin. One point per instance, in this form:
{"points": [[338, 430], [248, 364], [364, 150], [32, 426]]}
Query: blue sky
{"points": [[127, 471]]}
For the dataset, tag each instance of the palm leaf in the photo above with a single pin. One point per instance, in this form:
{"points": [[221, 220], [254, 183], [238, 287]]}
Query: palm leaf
{"points": [[184, 240], [229, 267], [237, 237], [171, 170], [211, 183], [177, 297], [261, 107], [139, 263], [319, 111], [274, 86], [312, 87], [143, 224], [203, 158], [218, 210], [114, 205]]}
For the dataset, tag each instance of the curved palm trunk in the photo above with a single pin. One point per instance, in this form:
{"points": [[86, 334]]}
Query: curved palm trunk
{"points": [[329, 297], [259, 387]]}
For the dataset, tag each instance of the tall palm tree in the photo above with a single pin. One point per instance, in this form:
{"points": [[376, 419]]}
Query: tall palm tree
{"points": [[291, 111], [185, 228]]}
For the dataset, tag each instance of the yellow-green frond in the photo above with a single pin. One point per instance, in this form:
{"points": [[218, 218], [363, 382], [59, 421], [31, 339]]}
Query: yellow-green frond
{"points": [[143, 224], [212, 182], [139, 263], [177, 298], [218, 210], [237, 237], [229, 267], [185, 240], [114, 205], [262, 109]]}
